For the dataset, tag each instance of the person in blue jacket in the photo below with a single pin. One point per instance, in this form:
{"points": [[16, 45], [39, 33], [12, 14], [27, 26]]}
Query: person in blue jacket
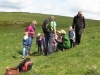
{"points": [[26, 44]]}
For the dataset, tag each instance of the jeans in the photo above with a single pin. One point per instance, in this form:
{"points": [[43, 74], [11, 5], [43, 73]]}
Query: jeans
{"points": [[31, 41], [25, 51], [48, 43], [39, 49]]}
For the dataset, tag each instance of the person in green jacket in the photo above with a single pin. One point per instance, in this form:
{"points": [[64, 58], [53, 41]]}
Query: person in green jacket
{"points": [[65, 43]]}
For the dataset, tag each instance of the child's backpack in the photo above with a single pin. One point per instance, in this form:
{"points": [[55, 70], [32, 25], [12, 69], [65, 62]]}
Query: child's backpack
{"points": [[47, 26], [25, 65]]}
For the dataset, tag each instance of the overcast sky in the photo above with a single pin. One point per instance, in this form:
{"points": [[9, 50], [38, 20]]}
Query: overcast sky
{"points": [[90, 8]]}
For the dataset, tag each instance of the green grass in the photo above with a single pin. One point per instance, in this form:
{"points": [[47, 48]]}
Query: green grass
{"points": [[81, 60]]}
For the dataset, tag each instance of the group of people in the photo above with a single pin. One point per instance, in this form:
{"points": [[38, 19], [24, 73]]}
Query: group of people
{"points": [[54, 40]]}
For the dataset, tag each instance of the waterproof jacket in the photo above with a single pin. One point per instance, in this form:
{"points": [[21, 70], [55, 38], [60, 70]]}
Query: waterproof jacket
{"points": [[65, 42], [78, 22]]}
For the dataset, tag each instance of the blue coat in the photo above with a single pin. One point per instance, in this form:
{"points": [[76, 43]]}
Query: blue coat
{"points": [[26, 41]]}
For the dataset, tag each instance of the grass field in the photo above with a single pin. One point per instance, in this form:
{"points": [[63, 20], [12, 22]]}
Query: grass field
{"points": [[81, 60]]}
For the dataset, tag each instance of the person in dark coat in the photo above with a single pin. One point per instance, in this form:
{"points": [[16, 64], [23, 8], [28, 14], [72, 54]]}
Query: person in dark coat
{"points": [[49, 36], [79, 25]]}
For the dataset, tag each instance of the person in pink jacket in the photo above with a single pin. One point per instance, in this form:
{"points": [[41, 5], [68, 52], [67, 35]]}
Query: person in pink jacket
{"points": [[31, 32]]}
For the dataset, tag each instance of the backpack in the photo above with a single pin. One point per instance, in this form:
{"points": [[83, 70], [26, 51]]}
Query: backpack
{"points": [[25, 65], [47, 26]]}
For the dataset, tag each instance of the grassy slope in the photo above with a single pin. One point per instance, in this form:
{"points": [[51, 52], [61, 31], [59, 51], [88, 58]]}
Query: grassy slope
{"points": [[81, 60]]}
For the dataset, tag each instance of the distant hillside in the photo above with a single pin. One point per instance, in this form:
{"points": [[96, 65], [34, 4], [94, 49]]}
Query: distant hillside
{"points": [[20, 19]]}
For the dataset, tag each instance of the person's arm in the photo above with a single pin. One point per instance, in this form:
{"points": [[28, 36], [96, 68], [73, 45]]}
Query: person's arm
{"points": [[84, 23]]}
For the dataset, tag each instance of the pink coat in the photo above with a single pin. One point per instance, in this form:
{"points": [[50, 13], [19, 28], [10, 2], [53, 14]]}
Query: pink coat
{"points": [[31, 31]]}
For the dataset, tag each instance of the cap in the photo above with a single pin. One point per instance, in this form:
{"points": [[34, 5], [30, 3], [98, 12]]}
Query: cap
{"points": [[38, 34]]}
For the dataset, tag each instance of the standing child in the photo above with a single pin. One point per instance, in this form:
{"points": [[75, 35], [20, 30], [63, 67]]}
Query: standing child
{"points": [[43, 43], [39, 43], [71, 35], [26, 45]]}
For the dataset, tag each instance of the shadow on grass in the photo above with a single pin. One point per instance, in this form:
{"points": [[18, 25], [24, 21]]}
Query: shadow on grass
{"points": [[36, 54], [20, 52], [32, 54], [14, 57]]}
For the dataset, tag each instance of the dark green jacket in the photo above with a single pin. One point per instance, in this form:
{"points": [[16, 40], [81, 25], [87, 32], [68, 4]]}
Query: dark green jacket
{"points": [[65, 42]]}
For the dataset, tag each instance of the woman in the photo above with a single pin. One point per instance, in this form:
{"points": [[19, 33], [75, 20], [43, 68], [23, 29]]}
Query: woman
{"points": [[65, 43]]}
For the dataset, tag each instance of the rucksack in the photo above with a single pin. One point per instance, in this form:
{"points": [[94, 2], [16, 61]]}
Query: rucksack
{"points": [[25, 65], [47, 26]]}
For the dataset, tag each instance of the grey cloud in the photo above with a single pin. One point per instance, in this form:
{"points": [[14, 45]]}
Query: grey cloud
{"points": [[7, 4]]}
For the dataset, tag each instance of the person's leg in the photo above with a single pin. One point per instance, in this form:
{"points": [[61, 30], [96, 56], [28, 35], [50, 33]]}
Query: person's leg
{"points": [[27, 51], [71, 43], [79, 40], [50, 43], [24, 51], [41, 49], [31, 41], [74, 44], [23, 54], [46, 44], [38, 49], [77, 36]]}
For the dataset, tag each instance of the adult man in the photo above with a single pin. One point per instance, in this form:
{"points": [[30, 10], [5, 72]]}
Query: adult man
{"points": [[31, 33], [49, 36], [79, 25]]}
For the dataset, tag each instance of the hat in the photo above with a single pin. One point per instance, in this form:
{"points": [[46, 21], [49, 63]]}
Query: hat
{"points": [[63, 31], [38, 34], [70, 27]]}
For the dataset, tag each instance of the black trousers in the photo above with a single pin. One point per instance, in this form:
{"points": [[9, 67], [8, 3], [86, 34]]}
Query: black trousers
{"points": [[78, 33], [72, 43]]}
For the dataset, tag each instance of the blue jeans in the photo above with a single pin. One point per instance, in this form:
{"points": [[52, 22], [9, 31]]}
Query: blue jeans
{"points": [[48, 43], [39, 49], [31, 41], [25, 51]]}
